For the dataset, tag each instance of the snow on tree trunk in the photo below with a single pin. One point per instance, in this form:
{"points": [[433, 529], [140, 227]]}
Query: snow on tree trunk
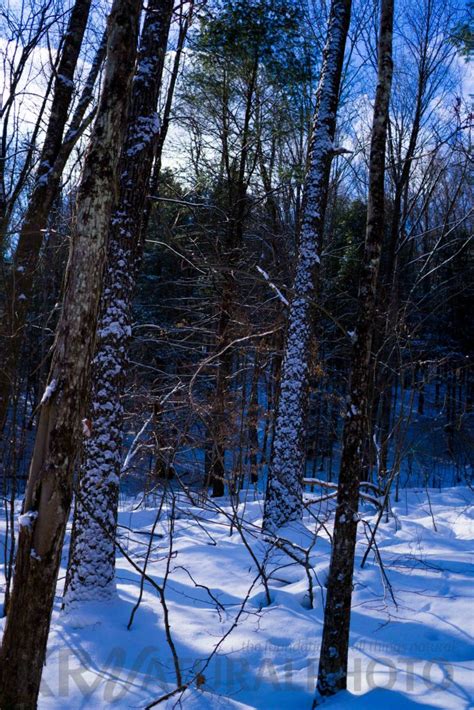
{"points": [[332, 675], [284, 493], [91, 569], [49, 488], [36, 217]]}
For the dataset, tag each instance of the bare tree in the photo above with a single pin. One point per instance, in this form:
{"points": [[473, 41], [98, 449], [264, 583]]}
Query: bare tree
{"points": [[284, 494], [40, 202], [332, 674], [412, 132], [25, 30], [49, 490], [92, 555]]}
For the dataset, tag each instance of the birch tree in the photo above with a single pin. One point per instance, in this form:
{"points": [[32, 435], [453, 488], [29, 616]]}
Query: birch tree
{"points": [[284, 493], [49, 488], [332, 675], [92, 556]]}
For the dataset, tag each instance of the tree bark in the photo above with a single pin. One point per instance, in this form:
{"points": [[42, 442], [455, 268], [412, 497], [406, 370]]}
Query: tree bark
{"points": [[284, 493], [49, 489], [32, 27], [45, 190], [230, 255], [389, 279], [332, 675], [91, 569]]}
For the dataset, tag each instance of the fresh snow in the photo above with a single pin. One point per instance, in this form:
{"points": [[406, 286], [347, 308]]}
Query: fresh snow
{"points": [[49, 391], [273, 286], [26, 519], [415, 653]]}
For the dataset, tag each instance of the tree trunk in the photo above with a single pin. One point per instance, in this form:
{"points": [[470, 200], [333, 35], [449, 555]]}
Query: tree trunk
{"points": [[49, 489], [91, 569], [231, 252], [45, 190], [219, 424], [185, 20], [253, 417], [389, 281], [332, 675], [284, 494]]}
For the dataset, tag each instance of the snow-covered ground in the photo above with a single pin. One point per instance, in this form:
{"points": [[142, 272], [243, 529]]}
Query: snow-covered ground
{"points": [[412, 650]]}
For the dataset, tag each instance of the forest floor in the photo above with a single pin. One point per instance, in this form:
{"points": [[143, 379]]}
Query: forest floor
{"points": [[412, 620]]}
